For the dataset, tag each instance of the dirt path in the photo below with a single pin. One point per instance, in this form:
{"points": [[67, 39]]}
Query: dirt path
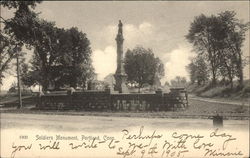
{"points": [[90, 123]]}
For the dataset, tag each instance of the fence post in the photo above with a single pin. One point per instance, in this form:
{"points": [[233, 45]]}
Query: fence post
{"points": [[218, 121]]}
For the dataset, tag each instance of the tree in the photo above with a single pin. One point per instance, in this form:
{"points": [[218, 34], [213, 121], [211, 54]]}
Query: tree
{"points": [[142, 67], [16, 28], [179, 81], [13, 88], [27, 28], [62, 56], [29, 78], [9, 47], [219, 39], [160, 71], [67, 63], [233, 38], [31, 75], [201, 35], [75, 58], [198, 70], [10, 44], [19, 4], [167, 84]]}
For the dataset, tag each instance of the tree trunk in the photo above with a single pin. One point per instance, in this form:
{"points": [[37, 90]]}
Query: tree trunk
{"points": [[241, 79], [240, 72], [73, 83], [231, 81], [213, 63], [45, 84], [213, 72], [139, 88], [18, 83], [230, 74], [214, 77], [199, 82]]}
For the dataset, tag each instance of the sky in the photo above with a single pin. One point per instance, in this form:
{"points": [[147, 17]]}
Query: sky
{"points": [[159, 25]]}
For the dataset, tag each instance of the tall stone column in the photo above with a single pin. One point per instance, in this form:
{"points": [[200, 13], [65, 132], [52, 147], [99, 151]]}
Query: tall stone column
{"points": [[120, 76]]}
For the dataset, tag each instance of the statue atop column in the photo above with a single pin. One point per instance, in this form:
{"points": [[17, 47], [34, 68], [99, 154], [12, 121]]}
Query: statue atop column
{"points": [[120, 27], [120, 76]]}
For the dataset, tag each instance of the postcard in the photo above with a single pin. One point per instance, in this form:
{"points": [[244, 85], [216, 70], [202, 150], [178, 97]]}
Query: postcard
{"points": [[124, 79]]}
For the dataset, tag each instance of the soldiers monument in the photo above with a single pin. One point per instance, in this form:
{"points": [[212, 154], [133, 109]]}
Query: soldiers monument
{"points": [[120, 75]]}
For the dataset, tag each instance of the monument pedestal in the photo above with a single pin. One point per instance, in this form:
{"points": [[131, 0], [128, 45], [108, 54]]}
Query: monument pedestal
{"points": [[120, 85]]}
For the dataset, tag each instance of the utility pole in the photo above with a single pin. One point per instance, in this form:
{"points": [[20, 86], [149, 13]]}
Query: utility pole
{"points": [[18, 82], [0, 83]]}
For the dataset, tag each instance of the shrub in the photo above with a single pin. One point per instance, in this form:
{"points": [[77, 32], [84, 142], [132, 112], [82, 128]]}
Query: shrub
{"points": [[246, 90], [214, 92], [12, 90], [240, 109]]}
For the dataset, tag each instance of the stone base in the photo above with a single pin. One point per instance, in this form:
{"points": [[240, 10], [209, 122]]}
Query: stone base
{"points": [[120, 85]]}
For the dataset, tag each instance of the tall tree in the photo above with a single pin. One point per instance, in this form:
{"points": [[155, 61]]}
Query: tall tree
{"points": [[30, 30], [233, 38], [10, 45], [219, 39], [160, 71], [198, 70], [68, 61], [142, 67], [200, 35], [63, 56], [74, 65]]}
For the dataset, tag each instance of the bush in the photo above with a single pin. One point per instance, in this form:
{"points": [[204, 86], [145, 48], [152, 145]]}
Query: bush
{"points": [[203, 88], [12, 90], [210, 91], [240, 109], [215, 92], [196, 89], [191, 87], [246, 90]]}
